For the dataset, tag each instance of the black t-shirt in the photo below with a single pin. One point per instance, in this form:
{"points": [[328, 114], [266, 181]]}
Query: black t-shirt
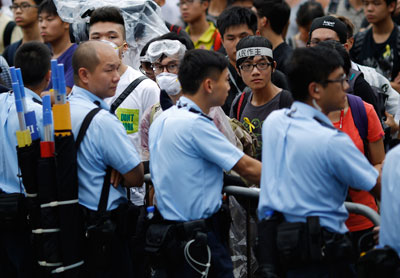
{"points": [[281, 53], [381, 56]]}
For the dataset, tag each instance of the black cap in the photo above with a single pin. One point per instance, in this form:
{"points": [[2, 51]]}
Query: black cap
{"points": [[332, 23]]}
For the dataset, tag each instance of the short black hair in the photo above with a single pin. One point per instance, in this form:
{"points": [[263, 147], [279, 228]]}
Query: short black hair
{"points": [[33, 58], [49, 7], [277, 12], [332, 44], [197, 65], [310, 64], [108, 14], [252, 41], [307, 12], [37, 2], [234, 16]]}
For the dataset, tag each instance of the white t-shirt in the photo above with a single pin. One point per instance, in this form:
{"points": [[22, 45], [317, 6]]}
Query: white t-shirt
{"points": [[131, 110]]}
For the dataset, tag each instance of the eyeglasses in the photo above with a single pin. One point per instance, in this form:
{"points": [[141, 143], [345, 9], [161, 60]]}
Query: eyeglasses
{"points": [[342, 80], [23, 6], [248, 67], [146, 68], [171, 68]]}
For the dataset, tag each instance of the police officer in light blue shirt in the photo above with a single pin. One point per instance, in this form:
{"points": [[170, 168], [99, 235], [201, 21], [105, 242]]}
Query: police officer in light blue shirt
{"points": [[188, 155], [105, 144], [34, 60], [307, 163], [390, 205]]}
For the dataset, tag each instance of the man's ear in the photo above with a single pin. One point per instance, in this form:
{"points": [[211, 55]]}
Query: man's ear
{"points": [[238, 71], [83, 74], [207, 85], [263, 21], [392, 6], [314, 90], [47, 76]]}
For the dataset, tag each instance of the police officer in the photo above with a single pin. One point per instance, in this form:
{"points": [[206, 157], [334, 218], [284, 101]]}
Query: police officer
{"points": [[105, 144], [34, 60], [187, 158], [307, 167]]}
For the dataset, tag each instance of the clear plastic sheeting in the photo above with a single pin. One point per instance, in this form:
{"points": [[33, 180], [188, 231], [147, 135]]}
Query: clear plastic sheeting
{"points": [[237, 239], [143, 21]]}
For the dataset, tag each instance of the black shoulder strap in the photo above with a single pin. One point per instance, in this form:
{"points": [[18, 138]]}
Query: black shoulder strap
{"points": [[243, 101], [285, 99], [105, 191], [126, 93], [85, 124], [358, 43], [7, 33], [353, 76]]}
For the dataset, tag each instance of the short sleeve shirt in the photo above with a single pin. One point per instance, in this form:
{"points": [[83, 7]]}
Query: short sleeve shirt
{"points": [[187, 157], [105, 144]]}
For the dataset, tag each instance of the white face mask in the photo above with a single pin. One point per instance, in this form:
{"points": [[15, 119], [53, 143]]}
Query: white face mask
{"points": [[169, 82]]}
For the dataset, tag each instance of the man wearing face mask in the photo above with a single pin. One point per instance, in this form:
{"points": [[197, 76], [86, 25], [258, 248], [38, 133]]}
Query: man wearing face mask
{"points": [[134, 92]]}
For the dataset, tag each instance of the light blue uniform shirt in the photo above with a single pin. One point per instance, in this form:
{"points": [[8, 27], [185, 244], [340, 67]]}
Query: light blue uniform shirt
{"points": [[9, 181], [187, 156], [308, 166], [390, 201], [105, 144]]}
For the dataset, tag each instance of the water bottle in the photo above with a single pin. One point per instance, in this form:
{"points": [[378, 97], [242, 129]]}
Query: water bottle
{"points": [[150, 212]]}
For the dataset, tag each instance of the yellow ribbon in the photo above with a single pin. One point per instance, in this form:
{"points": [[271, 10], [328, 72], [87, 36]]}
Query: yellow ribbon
{"points": [[247, 121], [387, 52]]}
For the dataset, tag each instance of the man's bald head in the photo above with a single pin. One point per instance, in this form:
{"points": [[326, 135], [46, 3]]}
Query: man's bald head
{"points": [[86, 56]]}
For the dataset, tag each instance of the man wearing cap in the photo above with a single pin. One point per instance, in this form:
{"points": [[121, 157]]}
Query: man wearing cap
{"points": [[255, 64], [307, 167], [331, 28]]}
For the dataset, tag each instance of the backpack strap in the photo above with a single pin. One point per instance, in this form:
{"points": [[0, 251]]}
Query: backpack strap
{"points": [[8, 32], [128, 90], [358, 44], [217, 40], [359, 115], [353, 75], [243, 98], [106, 183], [175, 29], [285, 99]]}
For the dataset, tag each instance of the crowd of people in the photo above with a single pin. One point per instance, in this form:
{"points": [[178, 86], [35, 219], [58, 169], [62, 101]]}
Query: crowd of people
{"points": [[298, 99]]}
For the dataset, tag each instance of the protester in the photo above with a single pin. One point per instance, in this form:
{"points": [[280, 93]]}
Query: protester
{"points": [[377, 46], [106, 145], [273, 17], [187, 155], [26, 16], [16, 254], [203, 33], [55, 32], [9, 32], [255, 62]]}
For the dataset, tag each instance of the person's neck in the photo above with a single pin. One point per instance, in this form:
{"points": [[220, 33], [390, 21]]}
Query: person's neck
{"points": [[31, 33], [60, 46], [217, 7], [122, 69], [274, 38], [356, 4], [384, 27], [37, 89], [198, 27], [175, 98], [264, 95], [200, 101]]}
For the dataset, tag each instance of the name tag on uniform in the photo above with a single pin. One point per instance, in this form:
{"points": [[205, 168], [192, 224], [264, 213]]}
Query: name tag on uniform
{"points": [[129, 118]]}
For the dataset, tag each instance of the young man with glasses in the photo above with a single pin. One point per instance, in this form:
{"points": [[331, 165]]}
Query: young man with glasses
{"points": [[255, 64], [203, 33], [308, 166], [26, 16]]}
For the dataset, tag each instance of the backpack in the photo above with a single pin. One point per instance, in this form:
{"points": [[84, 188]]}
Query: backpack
{"points": [[360, 118], [8, 33], [217, 40], [379, 94]]}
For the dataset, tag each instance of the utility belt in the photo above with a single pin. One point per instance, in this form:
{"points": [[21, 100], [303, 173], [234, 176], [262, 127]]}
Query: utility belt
{"points": [[299, 244], [103, 229], [166, 240], [13, 212]]}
